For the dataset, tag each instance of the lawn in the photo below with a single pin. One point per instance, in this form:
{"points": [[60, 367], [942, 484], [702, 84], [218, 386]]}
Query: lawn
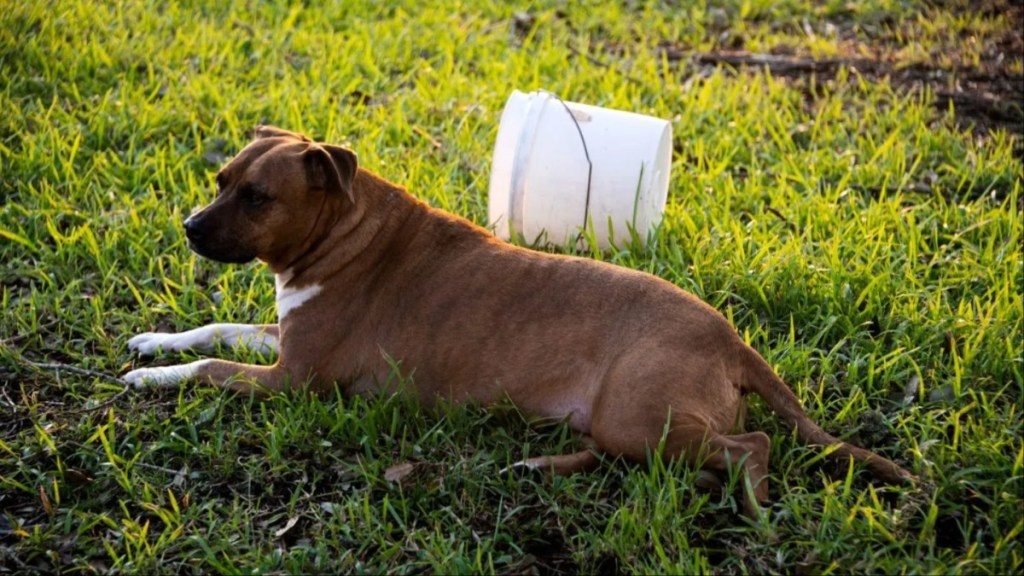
{"points": [[846, 189]]}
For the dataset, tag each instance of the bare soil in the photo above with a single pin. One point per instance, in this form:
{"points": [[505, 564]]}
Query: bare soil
{"points": [[987, 93]]}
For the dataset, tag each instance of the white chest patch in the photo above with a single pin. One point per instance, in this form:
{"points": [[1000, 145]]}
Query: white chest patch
{"points": [[289, 298]]}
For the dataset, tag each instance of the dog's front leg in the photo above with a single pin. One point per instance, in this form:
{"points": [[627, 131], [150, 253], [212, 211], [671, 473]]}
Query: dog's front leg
{"points": [[236, 376], [260, 337]]}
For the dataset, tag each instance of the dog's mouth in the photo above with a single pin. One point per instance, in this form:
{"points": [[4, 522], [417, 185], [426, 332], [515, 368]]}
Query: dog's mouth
{"points": [[220, 254]]}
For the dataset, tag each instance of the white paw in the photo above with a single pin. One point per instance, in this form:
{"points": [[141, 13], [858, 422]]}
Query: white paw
{"points": [[162, 376], [148, 343]]}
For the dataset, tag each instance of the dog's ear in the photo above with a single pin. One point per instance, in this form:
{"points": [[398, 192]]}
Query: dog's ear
{"points": [[332, 168], [275, 132]]}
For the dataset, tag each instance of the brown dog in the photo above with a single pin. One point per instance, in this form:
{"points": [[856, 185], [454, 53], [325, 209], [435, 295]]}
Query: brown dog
{"points": [[365, 271]]}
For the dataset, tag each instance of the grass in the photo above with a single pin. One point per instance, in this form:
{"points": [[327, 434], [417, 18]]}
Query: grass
{"points": [[865, 241]]}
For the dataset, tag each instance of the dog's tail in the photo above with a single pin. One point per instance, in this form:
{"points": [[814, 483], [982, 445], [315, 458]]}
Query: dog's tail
{"points": [[760, 378]]}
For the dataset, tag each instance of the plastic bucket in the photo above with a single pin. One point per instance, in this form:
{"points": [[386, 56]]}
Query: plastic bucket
{"points": [[549, 152]]}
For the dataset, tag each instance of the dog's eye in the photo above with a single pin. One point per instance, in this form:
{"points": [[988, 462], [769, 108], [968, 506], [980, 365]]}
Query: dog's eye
{"points": [[254, 197]]}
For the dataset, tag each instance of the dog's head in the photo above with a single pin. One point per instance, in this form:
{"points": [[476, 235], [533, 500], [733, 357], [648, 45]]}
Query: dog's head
{"points": [[270, 198]]}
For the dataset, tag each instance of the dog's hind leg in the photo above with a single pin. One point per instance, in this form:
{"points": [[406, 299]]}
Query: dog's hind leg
{"points": [[260, 337], [691, 436], [749, 452]]}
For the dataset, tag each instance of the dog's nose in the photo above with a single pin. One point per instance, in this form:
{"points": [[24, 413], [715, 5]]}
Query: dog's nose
{"points": [[193, 228]]}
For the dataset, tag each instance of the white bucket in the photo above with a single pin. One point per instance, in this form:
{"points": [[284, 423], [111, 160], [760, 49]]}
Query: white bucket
{"points": [[540, 171]]}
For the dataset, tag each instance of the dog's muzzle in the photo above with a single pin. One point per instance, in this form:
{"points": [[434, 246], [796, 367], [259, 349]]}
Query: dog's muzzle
{"points": [[206, 240]]}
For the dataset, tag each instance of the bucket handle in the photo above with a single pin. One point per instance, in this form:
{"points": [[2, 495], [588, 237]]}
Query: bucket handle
{"points": [[523, 153], [590, 168]]}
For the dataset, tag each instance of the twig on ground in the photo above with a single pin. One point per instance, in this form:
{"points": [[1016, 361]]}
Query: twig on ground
{"points": [[780, 64], [780, 216], [108, 402], [170, 471], [58, 367], [182, 473], [7, 397], [19, 337]]}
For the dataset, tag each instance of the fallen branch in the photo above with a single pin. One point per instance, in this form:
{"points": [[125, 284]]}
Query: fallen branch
{"points": [[779, 64], [108, 402], [58, 367]]}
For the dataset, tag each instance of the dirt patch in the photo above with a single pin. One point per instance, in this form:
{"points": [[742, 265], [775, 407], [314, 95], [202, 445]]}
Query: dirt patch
{"points": [[977, 69], [984, 99]]}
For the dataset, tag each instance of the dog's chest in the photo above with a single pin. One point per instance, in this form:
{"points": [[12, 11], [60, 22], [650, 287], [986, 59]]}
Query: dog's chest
{"points": [[290, 298]]}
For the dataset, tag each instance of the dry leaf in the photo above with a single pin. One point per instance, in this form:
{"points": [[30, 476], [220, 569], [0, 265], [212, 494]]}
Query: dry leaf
{"points": [[399, 471], [44, 498], [77, 477], [288, 526]]}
